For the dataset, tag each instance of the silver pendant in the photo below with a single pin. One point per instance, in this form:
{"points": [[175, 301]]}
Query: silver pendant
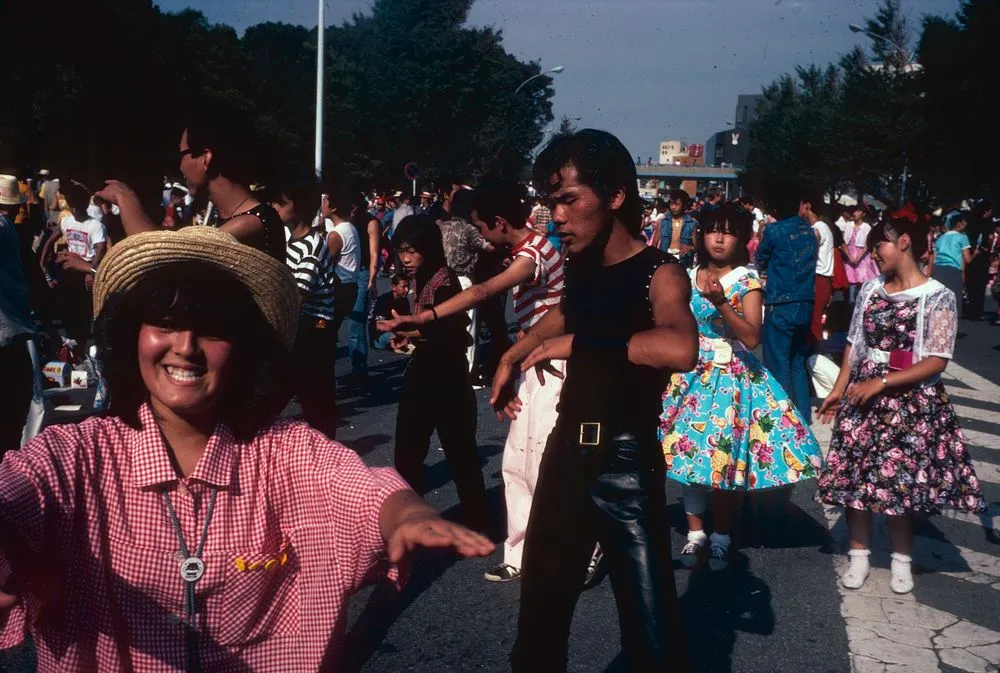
{"points": [[192, 569]]}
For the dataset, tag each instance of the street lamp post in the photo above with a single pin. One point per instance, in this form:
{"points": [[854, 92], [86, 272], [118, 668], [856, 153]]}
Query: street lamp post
{"points": [[556, 70], [320, 57], [908, 66]]}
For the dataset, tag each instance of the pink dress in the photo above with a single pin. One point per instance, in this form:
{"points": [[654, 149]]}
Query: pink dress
{"points": [[856, 238]]}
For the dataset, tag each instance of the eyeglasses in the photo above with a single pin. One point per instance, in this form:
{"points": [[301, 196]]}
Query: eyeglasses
{"points": [[187, 151]]}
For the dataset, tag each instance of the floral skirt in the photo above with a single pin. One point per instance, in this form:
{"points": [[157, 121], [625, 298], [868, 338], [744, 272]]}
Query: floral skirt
{"points": [[733, 427], [902, 453]]}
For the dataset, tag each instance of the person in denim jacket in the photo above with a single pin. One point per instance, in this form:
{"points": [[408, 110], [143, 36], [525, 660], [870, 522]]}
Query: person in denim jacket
{"points": [[787, 254], [675, 234]]}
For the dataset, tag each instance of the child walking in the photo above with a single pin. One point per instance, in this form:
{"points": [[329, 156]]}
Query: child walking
{"points": [[727, 426], [896, 448]]}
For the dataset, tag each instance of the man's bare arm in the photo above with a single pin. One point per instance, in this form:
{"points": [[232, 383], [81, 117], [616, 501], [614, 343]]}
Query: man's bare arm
{"points": [[673, 343]]}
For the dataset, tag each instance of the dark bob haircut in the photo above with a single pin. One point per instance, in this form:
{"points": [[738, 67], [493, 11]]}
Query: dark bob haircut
{"points": [[496, 197], [891, 231], [228, 132], [728, 218], [195, 296], [601, 162], [422, 233]]}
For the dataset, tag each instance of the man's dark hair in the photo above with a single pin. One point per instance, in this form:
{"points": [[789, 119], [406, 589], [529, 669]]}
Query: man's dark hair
{"points": [[497, 197], [601, 162], [714, 192], [682, 196], [228, 132], [462, 204], [728, 218], [893, 229], [399, 277], [659, 204], [813, 197], [304, 195], [211, 301]]}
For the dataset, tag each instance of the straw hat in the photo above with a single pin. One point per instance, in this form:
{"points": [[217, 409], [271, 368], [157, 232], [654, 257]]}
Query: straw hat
{"points": [[269, 281], [10, 194]]}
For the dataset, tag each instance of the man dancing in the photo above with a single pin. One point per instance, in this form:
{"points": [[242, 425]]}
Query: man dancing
{"points": [[623, 326]]}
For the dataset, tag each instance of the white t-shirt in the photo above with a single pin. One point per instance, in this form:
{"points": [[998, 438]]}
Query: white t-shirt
{"points": [[347, 260], [824, 260], [82, 237]]}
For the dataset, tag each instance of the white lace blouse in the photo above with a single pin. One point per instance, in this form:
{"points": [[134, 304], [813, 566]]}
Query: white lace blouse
{"points": [[937, 320]]}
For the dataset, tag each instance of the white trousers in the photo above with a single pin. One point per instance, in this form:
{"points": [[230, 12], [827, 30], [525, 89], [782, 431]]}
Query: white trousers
{"points": [[824, 373], [522, 454], [36, 412], [465, 283]]}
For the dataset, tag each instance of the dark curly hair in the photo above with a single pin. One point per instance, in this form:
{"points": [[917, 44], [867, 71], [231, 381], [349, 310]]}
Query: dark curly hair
{"points": [[212, 302]]}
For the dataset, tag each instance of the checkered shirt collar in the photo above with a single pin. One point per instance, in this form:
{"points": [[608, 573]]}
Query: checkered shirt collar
{"points": [[151, 464]]}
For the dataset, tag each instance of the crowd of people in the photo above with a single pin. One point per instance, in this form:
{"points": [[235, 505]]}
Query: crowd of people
{"points": [[633, 360]]}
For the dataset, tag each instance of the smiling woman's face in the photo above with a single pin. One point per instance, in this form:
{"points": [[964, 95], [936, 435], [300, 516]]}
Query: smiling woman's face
{"points": [[186, 373]]}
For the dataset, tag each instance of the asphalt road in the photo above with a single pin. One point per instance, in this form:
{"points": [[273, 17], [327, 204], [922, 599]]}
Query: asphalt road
{"points": [[777, 608]]}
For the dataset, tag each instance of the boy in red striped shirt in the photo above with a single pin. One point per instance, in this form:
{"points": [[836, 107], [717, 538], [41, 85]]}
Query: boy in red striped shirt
{"points": [[536, 278]]}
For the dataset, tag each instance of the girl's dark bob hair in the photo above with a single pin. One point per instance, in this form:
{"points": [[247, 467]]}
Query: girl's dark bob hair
{"points": [[891, 231], [192, 295], [728, 218]]}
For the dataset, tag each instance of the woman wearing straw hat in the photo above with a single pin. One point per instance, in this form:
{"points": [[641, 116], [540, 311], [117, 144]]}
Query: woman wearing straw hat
{"points": [[214, 159], [189, 529]]}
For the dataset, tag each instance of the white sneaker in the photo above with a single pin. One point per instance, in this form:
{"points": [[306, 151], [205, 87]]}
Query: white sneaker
{"points": [[901, 580], [858, 570]]}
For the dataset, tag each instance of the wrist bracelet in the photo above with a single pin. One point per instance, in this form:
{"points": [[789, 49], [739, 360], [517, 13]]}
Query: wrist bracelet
{"points": [[434, 313]]}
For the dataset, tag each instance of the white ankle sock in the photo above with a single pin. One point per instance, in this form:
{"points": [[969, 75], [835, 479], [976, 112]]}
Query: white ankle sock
{"points": [[857, 571], [720, 540], [901, 581], [698, 537]]}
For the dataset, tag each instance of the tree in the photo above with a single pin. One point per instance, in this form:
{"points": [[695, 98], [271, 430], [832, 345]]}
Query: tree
{"points": [[407, 82]]}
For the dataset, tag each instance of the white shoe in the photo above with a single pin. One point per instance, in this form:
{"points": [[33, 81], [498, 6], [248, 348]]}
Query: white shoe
{"points": [[858, 570], [901, 580]]}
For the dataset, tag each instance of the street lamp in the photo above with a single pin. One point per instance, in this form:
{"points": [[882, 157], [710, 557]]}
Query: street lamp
{"points": [[556, 70], [320, 56]]}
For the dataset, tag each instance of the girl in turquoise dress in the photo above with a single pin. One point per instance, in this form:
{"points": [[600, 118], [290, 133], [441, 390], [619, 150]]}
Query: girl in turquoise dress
{"points": [[728, 426]]}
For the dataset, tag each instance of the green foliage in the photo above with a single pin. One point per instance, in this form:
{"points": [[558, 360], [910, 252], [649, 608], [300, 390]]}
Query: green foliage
{"points": [[857, 124], [407, 82]]}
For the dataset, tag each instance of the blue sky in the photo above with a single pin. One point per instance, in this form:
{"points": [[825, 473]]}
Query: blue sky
{"points": [[645, 70]]}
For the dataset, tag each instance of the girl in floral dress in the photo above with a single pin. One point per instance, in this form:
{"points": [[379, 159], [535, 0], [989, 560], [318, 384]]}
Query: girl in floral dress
{"points": [[727, 426], [896, 448]]}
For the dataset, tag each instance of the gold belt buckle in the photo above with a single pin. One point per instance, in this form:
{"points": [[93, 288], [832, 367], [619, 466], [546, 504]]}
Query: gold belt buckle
{"points": [[590, 434]]}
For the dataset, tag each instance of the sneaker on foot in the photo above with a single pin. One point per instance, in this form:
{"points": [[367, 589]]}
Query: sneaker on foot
{"points": [[719, 557], [857, 571], [502, 573], [595, 573], [901, 580], [690, 554]]}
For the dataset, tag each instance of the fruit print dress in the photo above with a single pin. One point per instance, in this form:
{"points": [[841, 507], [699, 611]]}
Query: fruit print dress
{"points": [[903, 452], [732, 426]]}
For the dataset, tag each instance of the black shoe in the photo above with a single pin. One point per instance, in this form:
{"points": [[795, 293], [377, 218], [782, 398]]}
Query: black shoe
{"points": [[595, 569], [502, 573]]}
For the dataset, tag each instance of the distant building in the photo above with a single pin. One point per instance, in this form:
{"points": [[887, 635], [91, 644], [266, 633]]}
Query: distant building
{"points": [[730, 147], [670, 149]]}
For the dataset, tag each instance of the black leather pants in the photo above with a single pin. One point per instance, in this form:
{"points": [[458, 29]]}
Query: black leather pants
{"points": [[613, 493]]}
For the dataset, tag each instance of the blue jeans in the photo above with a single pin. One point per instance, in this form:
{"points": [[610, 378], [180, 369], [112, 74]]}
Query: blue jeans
{"points": [[384, 341], [786, 348], [357, 326]]}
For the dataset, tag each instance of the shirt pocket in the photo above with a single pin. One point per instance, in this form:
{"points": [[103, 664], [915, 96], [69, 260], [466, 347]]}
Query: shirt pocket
{"points": [[260, 599]]}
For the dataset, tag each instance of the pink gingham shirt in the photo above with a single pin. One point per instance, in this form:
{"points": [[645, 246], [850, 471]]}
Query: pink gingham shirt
{"points": [[86, 541]]}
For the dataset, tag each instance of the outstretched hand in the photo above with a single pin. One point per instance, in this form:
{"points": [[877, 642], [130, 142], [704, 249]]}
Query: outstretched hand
{"points": [[397, 323], [426, 529], [556, 348]]}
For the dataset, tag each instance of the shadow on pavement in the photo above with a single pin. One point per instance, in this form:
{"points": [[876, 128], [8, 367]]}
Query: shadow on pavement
{"points": [[385, 604]]}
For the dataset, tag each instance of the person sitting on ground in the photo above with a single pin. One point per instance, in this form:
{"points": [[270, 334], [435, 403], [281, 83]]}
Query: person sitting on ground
{"points": [[394, 302], [190, 528], [215, 159]]}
